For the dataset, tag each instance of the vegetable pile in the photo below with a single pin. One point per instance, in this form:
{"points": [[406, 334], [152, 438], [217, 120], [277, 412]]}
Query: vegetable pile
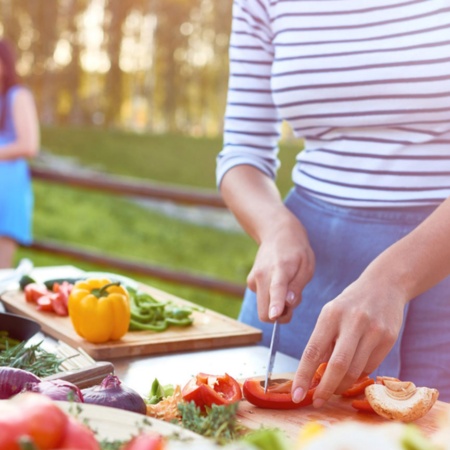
{"points": [[101, 310], [54, 299]]}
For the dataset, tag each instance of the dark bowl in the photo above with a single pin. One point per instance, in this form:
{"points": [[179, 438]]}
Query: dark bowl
{"points": [[18, 327]]}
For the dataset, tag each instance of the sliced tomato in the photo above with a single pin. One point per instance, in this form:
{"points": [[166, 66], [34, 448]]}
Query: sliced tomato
{"points": [[33, 291], [44, 303], [278, 394], [63, 289], [359, 386], [206, 390], [59, 304]]}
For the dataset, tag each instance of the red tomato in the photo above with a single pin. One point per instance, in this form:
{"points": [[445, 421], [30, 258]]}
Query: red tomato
{"points": [[59, 304], [33, 291], [205, 390], [35, 416], [44, 303], [146, 441], [77, 435], [278, 395]]}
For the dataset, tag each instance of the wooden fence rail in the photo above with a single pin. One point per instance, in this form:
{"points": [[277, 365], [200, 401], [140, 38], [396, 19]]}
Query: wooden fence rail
{"points": [[125, 187]]}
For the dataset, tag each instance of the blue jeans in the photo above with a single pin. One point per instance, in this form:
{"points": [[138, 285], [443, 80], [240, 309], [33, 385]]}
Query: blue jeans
{"points": [[345, 240]]}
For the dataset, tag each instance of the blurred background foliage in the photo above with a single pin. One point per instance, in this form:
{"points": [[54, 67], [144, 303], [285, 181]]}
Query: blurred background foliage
{"points": [[143, 65], [134, 88]]}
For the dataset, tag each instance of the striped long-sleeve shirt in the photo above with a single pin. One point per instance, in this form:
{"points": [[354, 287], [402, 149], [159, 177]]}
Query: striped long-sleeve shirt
{"points": [[365, 83]]}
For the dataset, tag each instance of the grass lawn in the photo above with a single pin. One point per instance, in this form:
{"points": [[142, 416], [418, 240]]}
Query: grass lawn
{"points": [[117, 227]]}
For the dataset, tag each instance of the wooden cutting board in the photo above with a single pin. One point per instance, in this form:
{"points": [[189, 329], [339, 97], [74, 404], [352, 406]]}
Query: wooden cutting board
{"points": [[338, 409], [209, 330]]}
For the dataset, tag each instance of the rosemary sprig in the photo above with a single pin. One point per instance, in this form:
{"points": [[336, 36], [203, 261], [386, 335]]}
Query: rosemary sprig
{"points": [[34, 359]]}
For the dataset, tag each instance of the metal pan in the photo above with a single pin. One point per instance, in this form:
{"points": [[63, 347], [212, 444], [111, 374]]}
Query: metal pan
{"points": [[18, 327]]}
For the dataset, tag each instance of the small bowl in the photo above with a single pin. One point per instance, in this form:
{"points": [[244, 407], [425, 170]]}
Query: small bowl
{"points": [[18, 327]]}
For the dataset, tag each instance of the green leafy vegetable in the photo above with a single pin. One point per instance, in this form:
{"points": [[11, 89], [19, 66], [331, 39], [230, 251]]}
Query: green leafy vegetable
{"points": [[159, 392]]}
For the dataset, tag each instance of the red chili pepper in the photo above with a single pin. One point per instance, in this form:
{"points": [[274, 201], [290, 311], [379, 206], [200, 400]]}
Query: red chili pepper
{"points": [[205, 390], [278, 395]]}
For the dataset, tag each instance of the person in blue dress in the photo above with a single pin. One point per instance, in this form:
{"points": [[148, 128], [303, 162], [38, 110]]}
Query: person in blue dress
{"points": [[19, 141]]}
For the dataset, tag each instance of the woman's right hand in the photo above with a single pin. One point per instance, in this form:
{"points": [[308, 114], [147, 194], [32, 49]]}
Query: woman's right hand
{"points": [[285, 261], [284, 264]]}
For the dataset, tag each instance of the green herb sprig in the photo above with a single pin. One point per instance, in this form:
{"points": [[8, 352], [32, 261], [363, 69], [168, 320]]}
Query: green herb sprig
{"points": [[219, 423], [33, 358]]}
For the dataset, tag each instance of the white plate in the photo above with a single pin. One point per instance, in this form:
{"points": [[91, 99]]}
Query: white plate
{"points": [[117, 424]]}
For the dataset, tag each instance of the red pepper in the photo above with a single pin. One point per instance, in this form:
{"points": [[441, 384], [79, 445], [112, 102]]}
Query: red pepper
{"points": [[359, 386], [207, 390], [278, 395], [363, 405]]}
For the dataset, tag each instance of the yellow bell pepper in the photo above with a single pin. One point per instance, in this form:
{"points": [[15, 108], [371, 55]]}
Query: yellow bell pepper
{"points": [[99, 310]]}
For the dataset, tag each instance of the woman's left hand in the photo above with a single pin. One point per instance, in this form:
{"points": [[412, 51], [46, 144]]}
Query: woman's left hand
{"points": [[354, 333]]}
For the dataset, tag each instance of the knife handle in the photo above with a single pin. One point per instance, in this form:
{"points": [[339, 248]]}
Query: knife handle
{"points": [[83, 378]]}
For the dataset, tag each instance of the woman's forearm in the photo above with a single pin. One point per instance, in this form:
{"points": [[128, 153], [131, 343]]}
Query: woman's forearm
{"points": [[421, 259], [254, 200]]}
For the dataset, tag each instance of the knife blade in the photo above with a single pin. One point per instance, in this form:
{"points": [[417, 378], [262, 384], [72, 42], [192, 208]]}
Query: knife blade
{"points": [[272, 353]]}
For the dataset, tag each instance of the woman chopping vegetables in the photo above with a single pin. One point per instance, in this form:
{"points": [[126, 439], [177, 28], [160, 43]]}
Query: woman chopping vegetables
{"points": [[355, 261], [19, 140]]}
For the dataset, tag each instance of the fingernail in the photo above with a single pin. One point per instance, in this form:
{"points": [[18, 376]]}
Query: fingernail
{"points": [[298, 396], [273, 312], [318, 402], [290, 297]]}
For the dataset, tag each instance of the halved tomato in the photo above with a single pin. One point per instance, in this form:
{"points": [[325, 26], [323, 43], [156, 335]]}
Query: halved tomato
{"points": [[278, 394], [206, 390]]}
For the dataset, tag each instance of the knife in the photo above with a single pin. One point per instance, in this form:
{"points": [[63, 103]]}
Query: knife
{"points": [[272, 353]]}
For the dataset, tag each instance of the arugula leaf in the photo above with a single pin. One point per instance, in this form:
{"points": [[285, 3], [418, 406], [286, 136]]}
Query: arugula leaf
{"points": [[158, 392]]}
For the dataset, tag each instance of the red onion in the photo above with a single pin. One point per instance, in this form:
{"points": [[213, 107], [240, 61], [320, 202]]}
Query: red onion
{"points": [[12, 381], [111, 392], [61, 390]]}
